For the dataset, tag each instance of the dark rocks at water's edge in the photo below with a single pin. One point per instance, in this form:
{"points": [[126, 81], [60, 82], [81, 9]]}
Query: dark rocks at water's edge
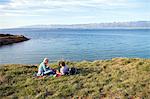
{"points": [[6, 39]]}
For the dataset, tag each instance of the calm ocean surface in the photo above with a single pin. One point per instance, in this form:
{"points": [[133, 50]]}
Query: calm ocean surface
{"points": [[76, 45]]}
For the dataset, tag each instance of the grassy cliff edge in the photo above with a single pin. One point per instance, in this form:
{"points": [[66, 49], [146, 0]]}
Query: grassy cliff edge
{"points": [[120, 78]]}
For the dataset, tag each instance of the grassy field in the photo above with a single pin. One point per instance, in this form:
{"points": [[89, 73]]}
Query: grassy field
{"points": [[119, 78]]}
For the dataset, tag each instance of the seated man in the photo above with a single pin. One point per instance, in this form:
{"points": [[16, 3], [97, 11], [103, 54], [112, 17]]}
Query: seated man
{"points": [[44, 69]]}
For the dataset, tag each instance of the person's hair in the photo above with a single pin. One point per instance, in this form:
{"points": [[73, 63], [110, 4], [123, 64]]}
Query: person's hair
{"points": [[63, 63], [59, 63], [45, 59]]}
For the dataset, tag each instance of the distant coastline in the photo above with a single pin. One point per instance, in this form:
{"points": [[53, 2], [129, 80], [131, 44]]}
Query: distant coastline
{"points": [[110, 25]]}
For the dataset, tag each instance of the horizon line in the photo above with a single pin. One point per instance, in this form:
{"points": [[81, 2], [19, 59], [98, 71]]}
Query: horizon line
{"points": [[74, 24]]}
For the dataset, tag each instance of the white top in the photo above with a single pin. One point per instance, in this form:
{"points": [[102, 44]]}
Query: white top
{"points": [[64, 69]]}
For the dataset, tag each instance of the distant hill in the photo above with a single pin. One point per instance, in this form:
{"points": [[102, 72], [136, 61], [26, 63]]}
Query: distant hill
{"points": [[137, 24]]}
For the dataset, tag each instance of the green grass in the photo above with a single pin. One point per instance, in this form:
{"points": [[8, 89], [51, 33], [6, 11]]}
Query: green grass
{"points": [[121, 78]]}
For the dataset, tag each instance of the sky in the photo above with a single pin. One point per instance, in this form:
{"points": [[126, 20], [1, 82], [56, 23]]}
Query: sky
{"points": [[17, 13]]}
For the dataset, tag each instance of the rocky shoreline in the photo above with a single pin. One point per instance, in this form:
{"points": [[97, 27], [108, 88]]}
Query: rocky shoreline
{"points": [[6, 39]]}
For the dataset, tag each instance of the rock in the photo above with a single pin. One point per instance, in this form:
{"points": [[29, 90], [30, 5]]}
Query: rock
{"points": [[6, 39]]}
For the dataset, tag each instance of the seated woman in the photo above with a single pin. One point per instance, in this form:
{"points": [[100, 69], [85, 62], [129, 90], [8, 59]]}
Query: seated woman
{"points": [[64, 69], [44, 69]]}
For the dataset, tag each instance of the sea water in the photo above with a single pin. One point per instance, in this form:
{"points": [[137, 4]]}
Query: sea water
{"points": [[76, 45]]}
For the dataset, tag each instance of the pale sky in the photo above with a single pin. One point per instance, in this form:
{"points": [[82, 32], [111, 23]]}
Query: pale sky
{"points": [[16, 13]]}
